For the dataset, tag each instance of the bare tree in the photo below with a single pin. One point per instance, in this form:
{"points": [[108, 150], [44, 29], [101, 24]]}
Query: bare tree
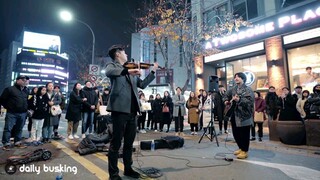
{"points": [[80, 58], [166, 20]]}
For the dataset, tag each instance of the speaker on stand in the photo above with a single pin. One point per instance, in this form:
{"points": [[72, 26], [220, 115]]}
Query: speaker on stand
{"points": [[213, 83]]}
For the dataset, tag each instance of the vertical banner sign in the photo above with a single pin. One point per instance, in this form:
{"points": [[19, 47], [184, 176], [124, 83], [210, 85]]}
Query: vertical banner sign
{"points": [[94, 69]]}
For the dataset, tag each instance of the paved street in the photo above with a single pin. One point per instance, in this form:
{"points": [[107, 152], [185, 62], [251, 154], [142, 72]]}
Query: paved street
{"points": [[267, 160]]}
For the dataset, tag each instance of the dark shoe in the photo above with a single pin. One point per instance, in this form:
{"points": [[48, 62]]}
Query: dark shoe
{"points": [[167, 131], [253, 139], [6, 148], [260, 139], [20, 145], [132, 173], [115, 177]]}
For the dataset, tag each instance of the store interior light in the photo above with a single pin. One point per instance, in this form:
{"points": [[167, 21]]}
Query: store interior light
{"points": [[208, 45]]}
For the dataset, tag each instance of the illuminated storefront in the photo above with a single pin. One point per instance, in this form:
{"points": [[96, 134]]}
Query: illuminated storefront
{"points": [[275, 51]]}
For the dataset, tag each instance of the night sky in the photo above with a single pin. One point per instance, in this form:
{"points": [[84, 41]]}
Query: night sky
{"points": [[111, 21]]}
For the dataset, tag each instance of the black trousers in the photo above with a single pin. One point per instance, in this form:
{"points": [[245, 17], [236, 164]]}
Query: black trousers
{"points": [[178, 122], [241, 135], [260, 129], [224, 121], [142, 120], [55, 127], [124, 126], [194, 127], [150, 119]]}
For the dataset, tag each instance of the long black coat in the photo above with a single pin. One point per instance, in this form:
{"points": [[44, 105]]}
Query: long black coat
{"points": [[167, 116], [288, 111], [74, 108], [157, 110]]}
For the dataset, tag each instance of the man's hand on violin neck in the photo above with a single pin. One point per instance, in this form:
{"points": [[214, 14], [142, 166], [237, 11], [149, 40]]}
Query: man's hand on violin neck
{"points": [[155, 66], [134, 72]]}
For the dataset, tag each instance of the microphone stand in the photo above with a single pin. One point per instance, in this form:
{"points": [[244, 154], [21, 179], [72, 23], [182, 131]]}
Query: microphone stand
{"points": [[210, 126]]}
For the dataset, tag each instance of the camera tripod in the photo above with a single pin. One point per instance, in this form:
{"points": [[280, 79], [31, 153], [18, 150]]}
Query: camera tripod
{"points": [[210, 128]]}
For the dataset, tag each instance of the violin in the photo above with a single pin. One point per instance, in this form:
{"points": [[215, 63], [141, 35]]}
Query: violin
{"points": [[132, 65]]}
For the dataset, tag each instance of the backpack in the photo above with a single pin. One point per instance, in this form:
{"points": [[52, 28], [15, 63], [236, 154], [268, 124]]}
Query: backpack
{"points": [[312, 110]]}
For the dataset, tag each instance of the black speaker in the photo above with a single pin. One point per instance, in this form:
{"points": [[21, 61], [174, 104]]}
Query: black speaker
{"points": [[213, 83]]}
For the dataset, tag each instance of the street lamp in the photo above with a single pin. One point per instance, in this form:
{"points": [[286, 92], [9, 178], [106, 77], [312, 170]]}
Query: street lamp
{"points": [[67, 16]]}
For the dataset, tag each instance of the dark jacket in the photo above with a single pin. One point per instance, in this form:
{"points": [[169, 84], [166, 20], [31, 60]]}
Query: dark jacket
{"points": [[105, 99], [92, 99], [288, 110], [168, 101], [166, 117], [40, 106], [244, 107], [312, 105], [157, 110], [74, 107], [124, 88], [259, 104], [218, 105], [15, 99], [272, 107]]}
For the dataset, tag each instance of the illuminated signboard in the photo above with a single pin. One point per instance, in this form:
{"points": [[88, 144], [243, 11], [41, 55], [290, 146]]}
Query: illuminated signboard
{"points": [[41, 41], [43, 69], [279, 24]]}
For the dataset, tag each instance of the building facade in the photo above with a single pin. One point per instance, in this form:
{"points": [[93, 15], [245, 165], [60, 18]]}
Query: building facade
{"points": [[276, 50], [144, 49], [37, 56]]}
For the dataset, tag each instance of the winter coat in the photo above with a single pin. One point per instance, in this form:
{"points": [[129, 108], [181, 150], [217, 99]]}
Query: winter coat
{"points": [[167, 116], [52, 120], [40, 106], [206, 109], [92, 99], [288, 111], [219, 105], [74, 108], [244, 109], [300, 105], [157, 110], [259, 106], [193, 110], [15, 99], [105, 99], [313, 104], [178, 104], [272, 107]]}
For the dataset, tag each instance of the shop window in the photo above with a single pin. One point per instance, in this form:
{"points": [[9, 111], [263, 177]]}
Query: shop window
{"points": [[146, 51], [255, 68], [298, 60], [247, 9], [280, 4], [215, 15]]}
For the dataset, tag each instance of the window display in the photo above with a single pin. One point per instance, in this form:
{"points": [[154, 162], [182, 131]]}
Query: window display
{"points": [[255, 69], [304, 66]]}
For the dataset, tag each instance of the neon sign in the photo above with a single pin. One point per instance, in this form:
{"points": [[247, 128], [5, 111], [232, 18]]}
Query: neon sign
{"points": [[268, 27]]}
